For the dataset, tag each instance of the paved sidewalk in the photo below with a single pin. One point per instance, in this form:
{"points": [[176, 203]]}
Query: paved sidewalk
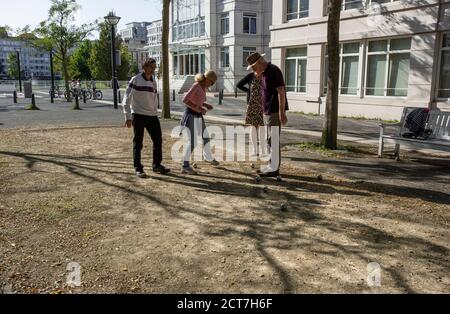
{"points": [[232, 111]]}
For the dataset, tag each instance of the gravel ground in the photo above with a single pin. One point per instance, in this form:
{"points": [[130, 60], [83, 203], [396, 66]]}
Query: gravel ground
{"points": [[69, 195]]}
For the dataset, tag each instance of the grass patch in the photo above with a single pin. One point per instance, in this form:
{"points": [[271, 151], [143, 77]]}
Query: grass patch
{"points": [[32, 107], [341, 150], [311, 114], [370, 119]]}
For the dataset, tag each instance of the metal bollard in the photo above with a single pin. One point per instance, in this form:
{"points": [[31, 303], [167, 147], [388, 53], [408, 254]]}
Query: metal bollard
{"points": [[15, 97], [235, 92], [220, 97], [120, 97], [84, 97], [33, 103], [173, 95], [52, 97], [76, 100], [157, 95]]}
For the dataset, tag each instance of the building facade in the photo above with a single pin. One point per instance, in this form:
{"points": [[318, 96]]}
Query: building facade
{"points": [[154, 41], [394, 53], [134, 37], [34, 63], [217, 35]]}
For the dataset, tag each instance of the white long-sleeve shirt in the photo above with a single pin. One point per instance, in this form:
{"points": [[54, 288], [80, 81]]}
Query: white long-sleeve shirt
{"points": [[141, 97]]}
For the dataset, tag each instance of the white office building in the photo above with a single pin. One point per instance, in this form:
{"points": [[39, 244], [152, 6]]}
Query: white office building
{"points": [[217, 35], [394, 53], [34, 63], [154, 41]]}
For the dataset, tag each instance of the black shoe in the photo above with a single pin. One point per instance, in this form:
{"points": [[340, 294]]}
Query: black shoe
{"points": [[141, 174], [161, 169], [272, 174]]}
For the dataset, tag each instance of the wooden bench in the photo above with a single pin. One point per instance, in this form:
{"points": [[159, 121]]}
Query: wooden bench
{"points": [[438, 121]]}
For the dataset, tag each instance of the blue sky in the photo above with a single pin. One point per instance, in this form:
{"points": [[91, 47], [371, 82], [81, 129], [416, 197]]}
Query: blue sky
{"points": [[20, 13]]}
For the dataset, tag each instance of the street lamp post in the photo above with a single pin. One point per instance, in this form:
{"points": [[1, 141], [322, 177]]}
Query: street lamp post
{"points": [[18, 68], [113, 20], [52, 74]]}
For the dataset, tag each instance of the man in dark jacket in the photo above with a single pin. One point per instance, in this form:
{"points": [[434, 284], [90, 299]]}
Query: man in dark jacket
{"points": [[274, 107]]}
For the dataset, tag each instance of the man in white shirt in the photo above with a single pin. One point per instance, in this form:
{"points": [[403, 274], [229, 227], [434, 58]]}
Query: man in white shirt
{"points": [[140, 106]]}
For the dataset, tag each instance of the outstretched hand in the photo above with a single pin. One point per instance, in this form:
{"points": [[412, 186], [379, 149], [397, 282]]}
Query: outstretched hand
{"points": [[208, 106], [128, 124]]}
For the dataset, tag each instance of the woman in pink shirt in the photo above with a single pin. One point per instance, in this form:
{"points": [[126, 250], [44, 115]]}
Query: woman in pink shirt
{"points": [[196, 107]]}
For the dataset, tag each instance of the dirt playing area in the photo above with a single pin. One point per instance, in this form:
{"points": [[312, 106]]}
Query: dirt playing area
{"points": [[70, 195]]}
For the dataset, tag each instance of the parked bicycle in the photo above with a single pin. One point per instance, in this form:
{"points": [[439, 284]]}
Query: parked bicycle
{"points": [[57, 92], [97, 94], [79, 92]]}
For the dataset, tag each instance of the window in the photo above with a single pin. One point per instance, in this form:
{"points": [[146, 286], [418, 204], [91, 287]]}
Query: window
{"points": [[382, 1], [359, 4], [296, 62], [444, 78], [388, 67], [225, 23], [249, 23], [246, 52], [188, 29], [352, 4], [225, 57], [297, 9], [349, 69]]}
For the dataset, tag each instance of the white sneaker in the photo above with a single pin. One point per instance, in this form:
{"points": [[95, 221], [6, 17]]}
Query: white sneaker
{"points": [[266, 169], [188, 170]]}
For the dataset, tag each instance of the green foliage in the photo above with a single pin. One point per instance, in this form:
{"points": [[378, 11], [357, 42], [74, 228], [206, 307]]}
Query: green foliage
{"points": [[100, 61], [5, 31], [123, 71], [134, 69], [79, 66], [60, 33], [13, 68]]}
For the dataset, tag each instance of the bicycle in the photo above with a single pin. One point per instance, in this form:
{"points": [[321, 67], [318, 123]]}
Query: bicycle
{"points": [[97, 94], [57, 92]]}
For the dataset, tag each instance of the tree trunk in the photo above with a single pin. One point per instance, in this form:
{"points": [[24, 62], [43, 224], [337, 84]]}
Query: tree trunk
{"points": [[65, 67], [329, 135], [165, 59]]}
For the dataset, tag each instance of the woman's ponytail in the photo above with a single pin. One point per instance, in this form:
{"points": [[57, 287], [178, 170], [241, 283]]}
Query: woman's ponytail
{"points": [[200, 77]]}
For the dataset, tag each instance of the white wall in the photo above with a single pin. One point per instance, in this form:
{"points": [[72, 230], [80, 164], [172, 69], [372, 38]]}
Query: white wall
{"points": [[415, 19]]}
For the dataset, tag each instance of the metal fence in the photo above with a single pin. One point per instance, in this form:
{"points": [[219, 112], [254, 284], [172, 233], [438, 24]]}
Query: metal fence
{"points": [[46, 85]]}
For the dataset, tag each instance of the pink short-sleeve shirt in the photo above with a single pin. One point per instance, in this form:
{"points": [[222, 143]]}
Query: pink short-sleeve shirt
{"points": [[196, 95]]}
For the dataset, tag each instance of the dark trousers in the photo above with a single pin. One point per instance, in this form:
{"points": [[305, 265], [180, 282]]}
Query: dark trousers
{"points": [[153, 127]]}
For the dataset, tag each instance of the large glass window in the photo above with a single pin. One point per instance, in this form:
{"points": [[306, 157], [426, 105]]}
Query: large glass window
{"points": [[388, 67], [296, 63], [188, 62], [349, 69], [360, 4], [297, 9], [249, 23], [188, 19], [225, 57], [352, 4], [225, 23], [245, 53], [444, 78]]}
